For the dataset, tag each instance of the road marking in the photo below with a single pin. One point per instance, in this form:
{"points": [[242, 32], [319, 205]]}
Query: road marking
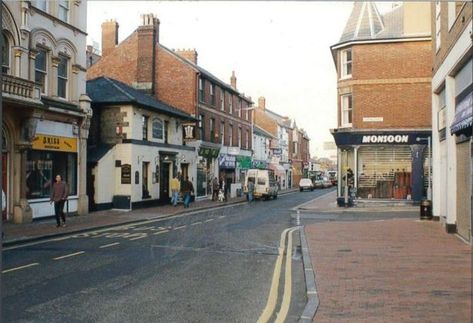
{"points": [[143, 228], [110, 245], [20, 267], [273, 292], [137, 238], [181, 227], [221, 217], [69, 255], [209, 220], [286, 300], [160, 232], [196, 223]]}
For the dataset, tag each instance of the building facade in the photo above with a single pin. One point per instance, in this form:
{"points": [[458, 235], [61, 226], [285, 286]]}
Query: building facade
{"points": [[137, 144], [223, 114], [46, 111], [384, 72], [262, 153], [452, 106]]}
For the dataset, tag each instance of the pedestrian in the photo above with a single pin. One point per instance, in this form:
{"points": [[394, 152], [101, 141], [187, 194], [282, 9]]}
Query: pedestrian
{"points": [[215, 188], [186, 189], [59, 194], [175, 189], [251, 190]]}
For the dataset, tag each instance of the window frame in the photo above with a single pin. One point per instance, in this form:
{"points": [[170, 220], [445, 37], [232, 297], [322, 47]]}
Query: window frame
{"points": [[155, 121], [43, 8], [222, 100], [145, 122], [212, 129], [240, 105], [222, 133], [64, 78], [201, 90], [239, 137], [44, 73], [346, 110], [6, 52], [438, 25], [230, 136], [344, 62], [230, 103], [212, 94], [64, 9]]}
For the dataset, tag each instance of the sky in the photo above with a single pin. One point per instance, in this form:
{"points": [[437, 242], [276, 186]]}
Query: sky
{"points": [[278, 49]]}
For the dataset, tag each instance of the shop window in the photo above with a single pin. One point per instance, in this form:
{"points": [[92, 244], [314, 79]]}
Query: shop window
{"points": [[62, 77], [346, 63], [5, 54], [43, 166], [63, 10], [157, 128], [347, 110], [41, 69]]}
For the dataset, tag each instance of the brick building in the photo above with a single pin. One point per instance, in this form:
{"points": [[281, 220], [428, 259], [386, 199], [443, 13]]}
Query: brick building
{"points": [[46, 112], [384, 72], [452, 106], [224, 127]]}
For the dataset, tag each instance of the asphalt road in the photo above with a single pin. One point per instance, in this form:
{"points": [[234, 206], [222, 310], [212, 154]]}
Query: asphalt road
{"points": [[210, 266]]}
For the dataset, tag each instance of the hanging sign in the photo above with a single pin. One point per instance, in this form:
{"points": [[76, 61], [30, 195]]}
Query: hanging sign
{"points": [[188, 131]]}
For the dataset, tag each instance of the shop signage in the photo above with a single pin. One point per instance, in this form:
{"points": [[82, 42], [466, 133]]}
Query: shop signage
{"points": [[244, 162], [188, 131], [226, 161], [260, 164], [373, 119], [209, 152], [378, 139], [277, 151], [126, 174], [47, 142], [233, 150]]}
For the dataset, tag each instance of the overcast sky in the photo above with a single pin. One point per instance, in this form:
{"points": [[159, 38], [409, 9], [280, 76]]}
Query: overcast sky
{"points": [[279, 50]]}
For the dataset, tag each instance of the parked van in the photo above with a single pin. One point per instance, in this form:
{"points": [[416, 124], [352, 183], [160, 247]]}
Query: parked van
{"points": [[265, 183]]}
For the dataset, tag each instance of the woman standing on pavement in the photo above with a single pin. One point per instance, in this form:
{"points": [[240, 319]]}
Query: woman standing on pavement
{"points": [[59, 194]]}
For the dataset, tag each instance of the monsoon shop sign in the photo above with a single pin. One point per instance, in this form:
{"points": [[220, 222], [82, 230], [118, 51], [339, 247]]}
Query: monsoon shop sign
{"points": [[385, 139]]}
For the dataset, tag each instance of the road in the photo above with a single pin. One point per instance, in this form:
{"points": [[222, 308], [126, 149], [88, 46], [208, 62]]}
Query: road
{"points": [[209, 266]]}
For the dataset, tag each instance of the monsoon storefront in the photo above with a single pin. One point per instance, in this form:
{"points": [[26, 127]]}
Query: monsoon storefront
{"points": [[53, 152], [383, 164]]}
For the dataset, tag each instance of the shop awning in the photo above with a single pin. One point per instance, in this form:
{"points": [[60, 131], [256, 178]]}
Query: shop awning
{"points": [[463, 121], [278, 169]]}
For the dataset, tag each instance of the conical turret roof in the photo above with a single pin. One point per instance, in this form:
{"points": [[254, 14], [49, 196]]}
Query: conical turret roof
{"points": [[365, 22]]}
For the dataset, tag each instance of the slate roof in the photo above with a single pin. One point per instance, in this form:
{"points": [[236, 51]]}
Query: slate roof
{"points": [[104, 90], [95, 153]]}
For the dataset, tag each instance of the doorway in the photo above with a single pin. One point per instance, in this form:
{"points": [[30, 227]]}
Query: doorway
{"points": [[164, 185], [144, 180]]}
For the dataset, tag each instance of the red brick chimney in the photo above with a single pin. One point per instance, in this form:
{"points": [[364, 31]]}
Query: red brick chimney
{"points": [[262, 102], [189, 54], [109, 36], [233, 80], [148, 36]]}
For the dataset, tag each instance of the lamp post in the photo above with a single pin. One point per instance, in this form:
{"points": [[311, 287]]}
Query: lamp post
{"points": [[429, 188]]}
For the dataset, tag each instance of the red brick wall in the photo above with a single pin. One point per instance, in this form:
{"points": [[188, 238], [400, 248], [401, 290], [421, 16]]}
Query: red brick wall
{"points": [[265, 122], [120, 64], [176, 82]]}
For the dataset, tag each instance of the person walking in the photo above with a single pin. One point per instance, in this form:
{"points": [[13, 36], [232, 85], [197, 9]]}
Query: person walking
{"points": [[186, 189], [175, 189], [251, 190], [215, 188], [59, 194]]}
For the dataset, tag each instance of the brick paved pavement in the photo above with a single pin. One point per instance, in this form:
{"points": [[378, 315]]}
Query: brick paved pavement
{"points": [[400, 270]]}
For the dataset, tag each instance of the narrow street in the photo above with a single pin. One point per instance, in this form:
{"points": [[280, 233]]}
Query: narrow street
{"points": [[209, 266]]}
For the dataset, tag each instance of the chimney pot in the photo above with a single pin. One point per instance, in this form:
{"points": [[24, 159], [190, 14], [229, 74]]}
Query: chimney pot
{"points": [[262, 102], [233, 80]]}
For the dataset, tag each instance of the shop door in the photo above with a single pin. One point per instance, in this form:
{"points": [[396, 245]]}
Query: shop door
{"points": [[144, 180], [4, 183], [90, 188], [164, 186]]}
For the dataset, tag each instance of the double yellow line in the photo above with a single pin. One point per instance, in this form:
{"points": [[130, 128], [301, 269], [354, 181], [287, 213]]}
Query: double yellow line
{"points": [[273, 292]]}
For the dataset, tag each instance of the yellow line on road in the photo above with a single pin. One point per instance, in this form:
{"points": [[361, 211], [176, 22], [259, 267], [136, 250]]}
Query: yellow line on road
{"points": [[286, 300], [110, 245], [273, 292], [69, 255], [20, 267], [160, 232]]}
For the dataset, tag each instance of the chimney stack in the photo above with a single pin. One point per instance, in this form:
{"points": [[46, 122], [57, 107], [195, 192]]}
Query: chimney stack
{"points": [[109, 36], [262, 102], [233, 80], [189, 54], [148, 36]]}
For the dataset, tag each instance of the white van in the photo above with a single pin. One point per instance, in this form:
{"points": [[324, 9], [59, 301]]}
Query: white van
{"points": [[265, 183]]}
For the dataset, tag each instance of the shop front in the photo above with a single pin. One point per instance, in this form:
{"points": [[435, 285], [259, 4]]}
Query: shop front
{"points": [[383, 165], [207, 169], [53, 152]]}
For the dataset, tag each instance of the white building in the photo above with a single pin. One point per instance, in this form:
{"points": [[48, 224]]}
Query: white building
{"points": [[46, 111], [261, 147], [452, 109]]}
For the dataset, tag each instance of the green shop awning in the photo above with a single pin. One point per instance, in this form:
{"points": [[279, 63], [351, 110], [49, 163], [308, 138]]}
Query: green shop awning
{"points": [[244, 162], [209, 152]]}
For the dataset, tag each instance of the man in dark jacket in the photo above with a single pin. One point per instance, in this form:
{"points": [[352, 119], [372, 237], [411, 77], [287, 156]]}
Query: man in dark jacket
{"points": [[59, 194], [186, 189]]}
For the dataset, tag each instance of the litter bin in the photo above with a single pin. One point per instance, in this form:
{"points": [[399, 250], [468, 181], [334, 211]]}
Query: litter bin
{"points": [[426, 210]]}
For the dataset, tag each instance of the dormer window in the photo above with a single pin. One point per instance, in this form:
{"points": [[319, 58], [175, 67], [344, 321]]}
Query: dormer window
{"points": [[346, 63]]}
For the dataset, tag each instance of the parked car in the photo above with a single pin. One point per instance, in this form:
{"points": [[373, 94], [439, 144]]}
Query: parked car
{"points": [[265, 183], [319, 183], [332, 176], [306, 184], [326, 182]]}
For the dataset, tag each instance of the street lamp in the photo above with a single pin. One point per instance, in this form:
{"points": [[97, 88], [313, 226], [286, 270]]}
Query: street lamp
{"points": [[429, 188]]}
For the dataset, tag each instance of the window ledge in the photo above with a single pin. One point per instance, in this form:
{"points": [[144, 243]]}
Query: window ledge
{"points": [[344, 78]]}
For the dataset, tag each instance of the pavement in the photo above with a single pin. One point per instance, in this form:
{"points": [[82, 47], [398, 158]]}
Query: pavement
{"points": [[390, 269], [46, 228]]}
